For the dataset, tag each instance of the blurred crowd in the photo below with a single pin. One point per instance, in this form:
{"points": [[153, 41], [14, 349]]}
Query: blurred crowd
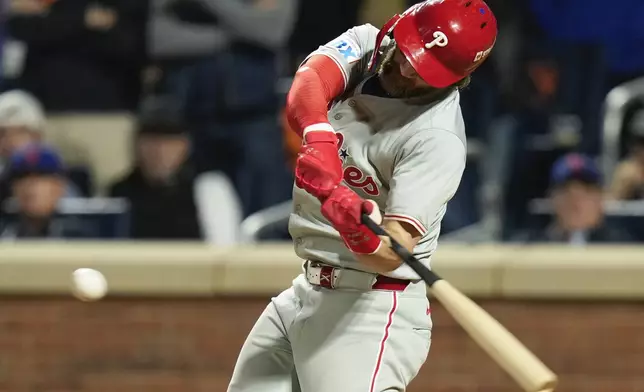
{"points": [[162, 119]]}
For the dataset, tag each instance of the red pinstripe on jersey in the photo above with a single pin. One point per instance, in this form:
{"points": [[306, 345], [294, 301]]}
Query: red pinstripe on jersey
{"points": [[383, 341], [416, 224]]}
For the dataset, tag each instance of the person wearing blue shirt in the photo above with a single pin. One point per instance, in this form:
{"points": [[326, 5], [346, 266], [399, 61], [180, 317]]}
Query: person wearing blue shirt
{"points": [[577, 197]]}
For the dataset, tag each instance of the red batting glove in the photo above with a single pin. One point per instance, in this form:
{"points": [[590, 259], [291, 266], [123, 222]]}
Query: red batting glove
{"points": [[318, 169], [344, 208]]}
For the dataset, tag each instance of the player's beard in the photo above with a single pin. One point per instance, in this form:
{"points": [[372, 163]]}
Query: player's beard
{"points": [[392, 81]]}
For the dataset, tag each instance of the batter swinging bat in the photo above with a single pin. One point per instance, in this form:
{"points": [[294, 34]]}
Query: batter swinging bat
{"points": [[506, 350]]}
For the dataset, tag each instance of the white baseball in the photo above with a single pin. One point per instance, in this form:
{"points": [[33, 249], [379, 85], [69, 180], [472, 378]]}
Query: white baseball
{"points": [[88, 284]]}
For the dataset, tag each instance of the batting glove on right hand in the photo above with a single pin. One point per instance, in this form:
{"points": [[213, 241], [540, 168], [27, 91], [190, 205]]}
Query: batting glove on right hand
{"points": [[344, 208]]}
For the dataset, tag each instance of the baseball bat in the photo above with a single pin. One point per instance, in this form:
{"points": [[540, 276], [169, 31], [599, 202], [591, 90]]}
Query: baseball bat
{"points": [[506, 350]]}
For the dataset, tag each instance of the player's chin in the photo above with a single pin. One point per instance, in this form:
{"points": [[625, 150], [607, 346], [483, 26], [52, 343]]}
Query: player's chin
{"points": [[396, 89]]}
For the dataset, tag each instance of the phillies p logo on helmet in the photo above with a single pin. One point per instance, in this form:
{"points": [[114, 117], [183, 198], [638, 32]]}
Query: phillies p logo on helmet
{"points": [[440, 39]]}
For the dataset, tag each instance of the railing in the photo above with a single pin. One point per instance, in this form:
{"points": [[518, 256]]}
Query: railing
{"points": [[615, 106], [253, 225], [81, 206], [179, 269], [611, 207]]}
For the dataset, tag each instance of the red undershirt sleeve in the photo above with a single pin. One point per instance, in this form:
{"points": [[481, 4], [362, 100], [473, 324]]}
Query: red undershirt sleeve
{"points": [[315, 85]]}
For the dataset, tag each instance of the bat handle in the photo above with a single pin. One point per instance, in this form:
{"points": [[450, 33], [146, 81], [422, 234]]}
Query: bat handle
{"points": [[425, 273], [373, 226]]}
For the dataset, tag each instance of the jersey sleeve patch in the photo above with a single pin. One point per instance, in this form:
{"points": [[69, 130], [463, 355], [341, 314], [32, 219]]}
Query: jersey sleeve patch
{"points": [[347, 48]]}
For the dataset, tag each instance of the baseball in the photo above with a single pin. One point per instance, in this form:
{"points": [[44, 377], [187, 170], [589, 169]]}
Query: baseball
{"points": [[88, 284]]}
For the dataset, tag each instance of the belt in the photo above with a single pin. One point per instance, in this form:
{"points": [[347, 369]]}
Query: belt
{"points": [[329, 277]]}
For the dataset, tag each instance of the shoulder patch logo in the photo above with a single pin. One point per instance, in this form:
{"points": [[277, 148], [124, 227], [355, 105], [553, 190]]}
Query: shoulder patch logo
{"points": [[347, 49]]}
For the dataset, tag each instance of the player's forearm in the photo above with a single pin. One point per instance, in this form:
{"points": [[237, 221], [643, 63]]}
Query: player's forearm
{"points": [[344, 209], [314, 86], [385, 259]]}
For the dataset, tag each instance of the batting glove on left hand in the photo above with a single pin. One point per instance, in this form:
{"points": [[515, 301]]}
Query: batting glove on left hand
{"points": [[318, 169]]}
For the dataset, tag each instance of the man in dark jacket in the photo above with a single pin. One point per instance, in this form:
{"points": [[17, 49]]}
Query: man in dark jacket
{"points": [[160, 187], [81, 55], [577, 197], [220, 58]]}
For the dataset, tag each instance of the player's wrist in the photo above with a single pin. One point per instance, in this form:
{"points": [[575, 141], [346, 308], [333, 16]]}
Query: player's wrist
{"points": [[320, 133], [362, 240]]}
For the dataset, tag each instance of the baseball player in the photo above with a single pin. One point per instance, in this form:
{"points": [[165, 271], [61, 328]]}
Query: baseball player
{"points": [[383, 133]]}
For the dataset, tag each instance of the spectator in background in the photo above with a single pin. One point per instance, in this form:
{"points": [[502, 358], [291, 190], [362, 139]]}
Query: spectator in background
{"points": [[628, 179], [160, 187], [577, 197], [22, 122], [220, 58], [81, 55], [37, 179]]}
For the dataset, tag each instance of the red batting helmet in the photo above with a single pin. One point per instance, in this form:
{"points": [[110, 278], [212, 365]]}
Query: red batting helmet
{"points": [[444, 40]]}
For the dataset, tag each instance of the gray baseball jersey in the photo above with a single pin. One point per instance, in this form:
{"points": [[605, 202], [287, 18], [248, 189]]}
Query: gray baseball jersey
{"points": [[408, 158]]}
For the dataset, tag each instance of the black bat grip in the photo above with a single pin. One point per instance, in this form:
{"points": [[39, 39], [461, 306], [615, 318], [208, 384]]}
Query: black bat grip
{"points": [[425, 273]]}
